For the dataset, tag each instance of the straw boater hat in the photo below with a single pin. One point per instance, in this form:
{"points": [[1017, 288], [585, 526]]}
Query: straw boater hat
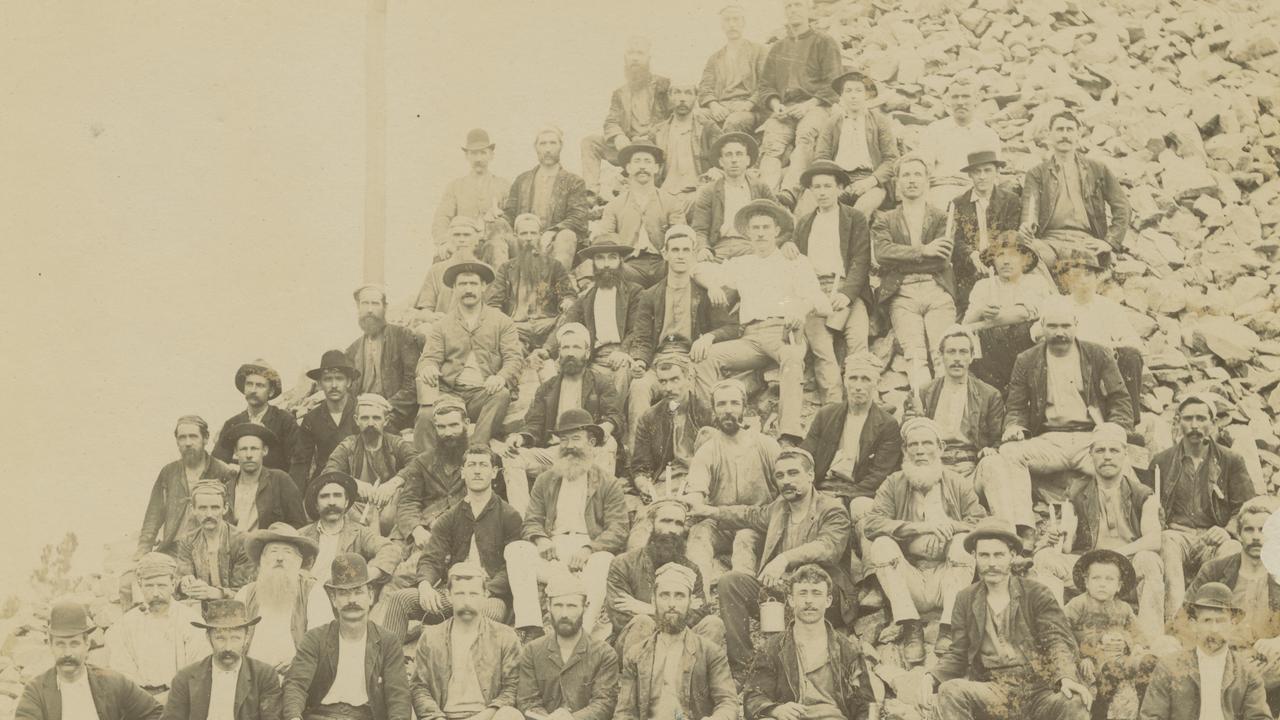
{"points": [[1128, 578], [334, 360], [349, 571], [602, 243], [282, 533], [68, 618], [753, 148], [248, 429], [578, 419], [260, 367], [993, 529], [333, 477], [766, 207], [624, 155], [224, 615], [484, 271]]}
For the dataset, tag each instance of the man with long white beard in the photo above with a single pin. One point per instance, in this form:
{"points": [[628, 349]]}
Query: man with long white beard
{"points": [[916, 528], [576, 522], [374, 457], [226, 683], [152, 641], [281, 594], [348, 669], [568, 675], [432, 482], [532, 288], [386, 356], [213, 561]]}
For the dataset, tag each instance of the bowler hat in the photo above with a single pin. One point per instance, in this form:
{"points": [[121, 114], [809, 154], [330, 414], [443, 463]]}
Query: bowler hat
{"points": [[477, 139], [982, 157], [349, 570], [993, 529], [765, 207], [753, 147], [332, 477], [578, 419], [824, 167], [838, 83], [69, 618], [250, 429], [334, 360], [260, 367], [1214, 596], [282, 533], [224, 615], [624, 155], [1128, 578], [484, 271], [602, 243]]}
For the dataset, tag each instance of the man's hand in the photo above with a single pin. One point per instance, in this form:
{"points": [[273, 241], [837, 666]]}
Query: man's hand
{"points": [[717, 111], [579, 558], [620, 141], [1072, 689], [364, 489], [645, 487], [865, 185], [790, 711], [1216, 535], [205, 591], [773, 572], [792, 320], [712, 174], [618, 360], [421, 536], [940, 249], [789, 250], [515, 441], [839, 301], [928, 686], [700, 347], [494, 383], [546, 548], [1013, 434], [430, 375], [430, 599], [638, 367], [539, 356], [700, 511], [777, 109], [383, 494], [717, 297], [991, 312]]}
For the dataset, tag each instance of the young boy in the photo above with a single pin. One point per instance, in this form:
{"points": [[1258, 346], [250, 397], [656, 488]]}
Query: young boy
{"points": [[1003, 307]]}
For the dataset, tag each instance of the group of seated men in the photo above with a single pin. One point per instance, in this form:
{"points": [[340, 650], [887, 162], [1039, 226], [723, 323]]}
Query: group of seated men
{"points": [[642, 543]]}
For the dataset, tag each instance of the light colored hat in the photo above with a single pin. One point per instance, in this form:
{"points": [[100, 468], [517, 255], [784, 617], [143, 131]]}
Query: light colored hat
{"points": [[375, 400], [675, 574], [467, 571], [865, 360], [1110, 431], [566, 585], [155, 564], [577, 329], [679, 231], [464, 221], [211, 487], [924, 423]]}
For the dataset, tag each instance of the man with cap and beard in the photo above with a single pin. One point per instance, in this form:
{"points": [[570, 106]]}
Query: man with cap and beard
{"points": [[567, 675], [260, 496], [666, 431], [336, 531], [168, 515], [72, 688], [260, 383], [479, 194], [635, 109], [213, 562], [432, 482], [375, 458], [226, 683], [674, 673], [281, 593], [916, 529], [326, 424], [385, 356], [532, 288], [349, 669], [631, 578], [149, 643]]}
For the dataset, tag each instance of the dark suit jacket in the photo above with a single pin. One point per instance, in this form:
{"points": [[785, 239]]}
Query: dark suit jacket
{"points": [[317, 437], [1004, 213], [644, 336], [312, 673], [706, 217], [599, 397], [568, 201], [115, 697], [278, 500], [551, 286], [776, 677], [583, 311], [1174, 692], [879, 449], [605, 512], [280, 422], [1104, 389], [258, 693], [707, 690], [855, 248], [631, 575], [618, 121], [898, 257], [881, 145], [401, 348], [983, 420], [1228, 484], [586, 684], [704, 135], [1101, 191]]}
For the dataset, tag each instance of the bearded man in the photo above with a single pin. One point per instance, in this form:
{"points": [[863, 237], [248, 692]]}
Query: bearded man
{"points": [[432, 482], [374, 457], [167, 518], [386, 356], [568, 674], [153, 640], [635, 109], [226, 683], [533, 288], [281, 594]]}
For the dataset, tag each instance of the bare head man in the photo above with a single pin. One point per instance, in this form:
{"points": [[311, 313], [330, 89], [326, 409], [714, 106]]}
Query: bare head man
{"points": [[371, 308], [913, 177], [547, 144]]}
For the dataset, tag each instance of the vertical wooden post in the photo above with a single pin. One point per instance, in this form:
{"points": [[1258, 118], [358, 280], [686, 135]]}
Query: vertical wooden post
{"points": [[375, 141]]}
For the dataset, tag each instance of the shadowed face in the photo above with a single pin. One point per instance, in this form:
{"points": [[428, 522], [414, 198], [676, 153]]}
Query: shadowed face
{"points": [[673, 382], [1251, 533], [793, 477], [642, 168], [468, 288], [854, 95], [913, 180], [679, 253], [548, 147], [1109, 457], [157, 591], [671, 603], [207, 509], [331, 501], [763, 231], [957, 354], [1064, 134], [732, 23], [1195, 420], [351, 604], [1211, 627], [826, 191], [1102, 581], [577, 444], [257, 390], [69, 653], [984, 177], [479, 159], [478, 472], [734, 159], [670, 519], [727, 404]]}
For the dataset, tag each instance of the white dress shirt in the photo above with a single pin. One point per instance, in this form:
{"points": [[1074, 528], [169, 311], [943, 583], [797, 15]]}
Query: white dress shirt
{"points": [[948, 145], [770, 286], [222, 692], [77, 699], [606, 314], [853, 152], [824, 244], [348, 681], [735, 196], [1212, 668]]}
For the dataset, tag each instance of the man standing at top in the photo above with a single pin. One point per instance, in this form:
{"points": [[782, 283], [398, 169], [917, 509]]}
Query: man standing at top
{"points": [[945, 144], [796, 92], [326, 424], [641, 214], [731, 78], [635, 109], [385, 356], [555, 195], [478, 194], [260, 383], [167, 519]]}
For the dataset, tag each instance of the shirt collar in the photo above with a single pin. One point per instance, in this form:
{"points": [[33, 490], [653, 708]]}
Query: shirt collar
{"points": [[233, 671]]}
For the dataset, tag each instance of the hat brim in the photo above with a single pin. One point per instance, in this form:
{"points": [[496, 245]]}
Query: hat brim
{"points": [[784, 219], [349, 371], [595, 430], [1128, 576], [478, 146], [591, 251], [753, 147], [971, 540], [273, 380], [72, 633], [988, 256], [624, 155], [807, 176], [997, 163], [451, 275], [260, 539], [248, 623], [312, 498], [262, 432], [347, 586]]}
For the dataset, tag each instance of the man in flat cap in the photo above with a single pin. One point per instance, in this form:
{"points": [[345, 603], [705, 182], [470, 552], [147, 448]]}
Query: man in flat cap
{"points": [[385, 356], [435, 297], [567, 674], [478, 194], [282, 593], [532, 288], [168, 515], [260, 383], [337, 530], [152, 641], [641, 214], [348, 669], [375, 457], [859, 139], [226, 683], [474, 352], [685, 138], [718, 202], [556, 196], [213, 561], [675, 673], [73, 688], [667, 431], [326, 424], [635, 109], [259, 496], [731, 77]]}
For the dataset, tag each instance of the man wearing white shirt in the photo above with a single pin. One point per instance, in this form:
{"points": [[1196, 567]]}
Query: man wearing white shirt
{"points": [[154, 640], [861, 141], [946, 143], [776, 295], [226, 684], [718, 202]]}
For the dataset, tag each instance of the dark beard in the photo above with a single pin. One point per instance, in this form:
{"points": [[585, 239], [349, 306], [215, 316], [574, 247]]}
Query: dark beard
{"points": [[372, 324], [564, 628], [370, 435], [666, 547], [672, 624], [571, 365], [729, 424], [607, 277], [451, 447]]}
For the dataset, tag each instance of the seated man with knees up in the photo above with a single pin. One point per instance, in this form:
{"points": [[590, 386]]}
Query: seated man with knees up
{"points": [[385, 356], [641, 214], [1003, 307], [532, 288], [567, 674], [859, 139], [554, 195], [917, 527], [376, 459], [731, 77]]}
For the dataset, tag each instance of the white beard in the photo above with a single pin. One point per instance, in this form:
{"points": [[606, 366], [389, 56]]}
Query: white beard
{"points": [[278, 589]]}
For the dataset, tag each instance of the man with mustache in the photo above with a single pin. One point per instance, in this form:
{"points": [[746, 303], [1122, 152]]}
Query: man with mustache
{"points": [[151, 642], [576, 386], [667, 430], [915, 530], [632, 578], [685, 137], [635, 109], [532, 288], [1203, 486], [556, 196], [718, 202], [326, 424], [860, 140], [801, 526], [473, 352], [376, 457], [733, 466], [674, 673], [432, 482], [731, 77], [436, 298], [385, 356], [810, 671], [260, 496], [478, 194], [467, 667], [567, 675], [1113, 511], [641, 214], [260, 383], [74, 689], [575, 524], [982, 213], [945, 143], [282, 593], [348, 669], [1012, 652], [1210, 680], [338, 531], [213, 561], [226, 683]]}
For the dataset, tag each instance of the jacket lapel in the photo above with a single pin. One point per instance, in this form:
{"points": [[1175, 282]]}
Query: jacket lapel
{"points": [[803, 229], [774, 534], [620, 308], [98, 693], [54, 696], [846, 225], [244, 682], [870, 429]]}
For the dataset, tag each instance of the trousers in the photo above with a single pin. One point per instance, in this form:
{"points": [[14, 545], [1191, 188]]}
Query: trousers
{"points": [[526, 569], [921, 312], [854, 326], [912, 589], [707, 540], [1005, 478], [763, 342], [779, 134], [1009, 697], [531, 462], [1183, 551]]}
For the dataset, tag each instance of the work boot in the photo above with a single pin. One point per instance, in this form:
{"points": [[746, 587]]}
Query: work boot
{"points": [[912, 640]]}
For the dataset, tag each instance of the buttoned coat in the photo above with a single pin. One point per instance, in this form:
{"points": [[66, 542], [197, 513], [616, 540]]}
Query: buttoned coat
{"points": [[706, 217], [1101, 192], [495, 657], [401, 348], [626, 308], [258, 695], [879, 449], [586, 684], [855, 251], [277, 499], [280, 422], [569, 209], [898, 257], [115, 697], [605, 510], [882, 146], [983, 419], [1103, 390], [706, 690], [235, 567], [1174, 690], [776, 678], [317, 437], [599, 397], [314, 667], [169, 506]]}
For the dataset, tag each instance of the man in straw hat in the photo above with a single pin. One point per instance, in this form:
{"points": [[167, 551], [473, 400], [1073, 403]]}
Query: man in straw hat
{"points": [[731, 77], [568, 674], [641, 214], [213, 561], [168, 515], [468, 666], [686, 139], [673, 672], [226, 683], [282, 593], [717, 204], [1012, 652], [331, 500], [554, 195], [980, 214], [635, 109], [72, 688], [532, 288], [152, 641], [385, 357], [259, 496], [326, 424], [376, 457], [859, 139], [576, 522], [259, 383], [349, 668], [1210, 680], [479, 194], [474, 352]]}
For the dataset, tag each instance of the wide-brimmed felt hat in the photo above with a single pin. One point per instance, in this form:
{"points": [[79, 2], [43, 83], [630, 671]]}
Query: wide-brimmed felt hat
{"points": [[1128, 578], [767, 207], [624, 155], [753, 147], [1010, 240], [451, 274], [348, 483], [282, 533], [68, 618], [224, 615], [349, 570], [334, 360], [838, 83], [823, 167], [602, 243], [249, 429], [260, 367], [578, 419], [477, 139], [1214, 596], [982, 157], [991, 528]]}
